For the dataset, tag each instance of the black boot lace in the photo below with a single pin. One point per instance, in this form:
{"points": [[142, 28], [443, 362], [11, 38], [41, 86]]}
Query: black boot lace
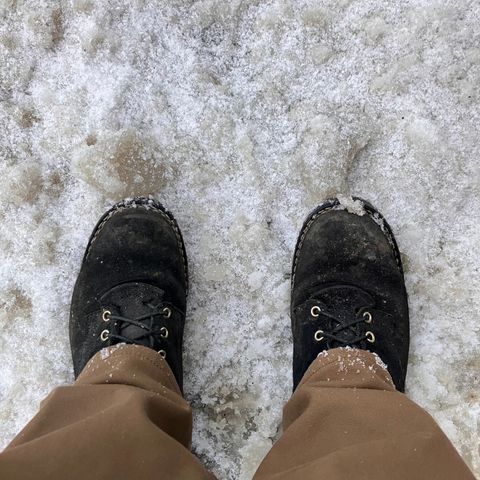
{"points": [[148, 333], [342, 332]]}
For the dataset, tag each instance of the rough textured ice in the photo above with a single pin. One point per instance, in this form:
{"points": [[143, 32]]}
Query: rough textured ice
{"points": [[241, 116]]}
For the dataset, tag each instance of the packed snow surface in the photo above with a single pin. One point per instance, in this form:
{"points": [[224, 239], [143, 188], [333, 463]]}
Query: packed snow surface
{"points": [[241, 116]]}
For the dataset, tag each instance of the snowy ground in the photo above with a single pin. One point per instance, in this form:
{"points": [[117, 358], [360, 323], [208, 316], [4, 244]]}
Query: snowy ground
{"points": [[241, 116]]}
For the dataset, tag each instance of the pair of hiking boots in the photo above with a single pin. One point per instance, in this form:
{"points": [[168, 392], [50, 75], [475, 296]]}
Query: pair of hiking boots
{"points": [[347, 287]]}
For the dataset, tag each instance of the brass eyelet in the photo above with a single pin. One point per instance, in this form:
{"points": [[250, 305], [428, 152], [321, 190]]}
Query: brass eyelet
{"points": [[318, 336], [162, 353], [315, 311], [104, 335], [167, 313], [369, 317], [370, 337], [106, 315], [164, 332]]}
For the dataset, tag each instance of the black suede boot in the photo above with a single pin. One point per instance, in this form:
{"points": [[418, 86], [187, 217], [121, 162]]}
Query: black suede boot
{"points": [[132, 285], [348, 289]]}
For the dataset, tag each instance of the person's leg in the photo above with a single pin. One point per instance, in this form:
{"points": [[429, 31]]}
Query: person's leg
{"points": [[347, 417], [124, 417], [346, 421]]}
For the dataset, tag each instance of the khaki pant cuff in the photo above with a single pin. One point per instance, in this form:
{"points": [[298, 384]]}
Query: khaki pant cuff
{"points": [[128, 365], [348, 367]]}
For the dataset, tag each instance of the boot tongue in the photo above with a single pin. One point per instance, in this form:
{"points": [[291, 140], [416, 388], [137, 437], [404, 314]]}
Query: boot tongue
{"points": [[132, 300], [342, 303]]}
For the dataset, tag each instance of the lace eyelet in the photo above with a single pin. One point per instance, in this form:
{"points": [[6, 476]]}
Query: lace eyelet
{"points": [[315, 311], [162, 353], [104, 335], [106, 315], [318, 336], [167, 313], [369, 317], [370, 337], [164, 332]]}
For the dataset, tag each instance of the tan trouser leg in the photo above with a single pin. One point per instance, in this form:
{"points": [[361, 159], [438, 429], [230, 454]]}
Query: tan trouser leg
{"points": [[346, 421], [124, 418]]}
